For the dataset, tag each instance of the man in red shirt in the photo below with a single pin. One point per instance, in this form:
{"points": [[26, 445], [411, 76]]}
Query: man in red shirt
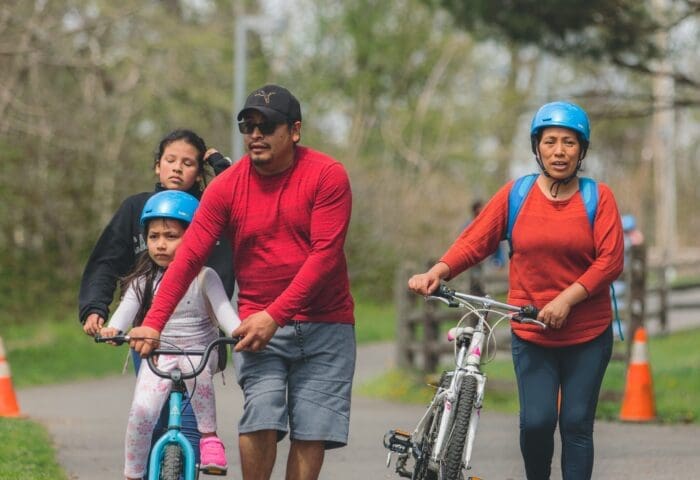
{"points": [[285, 209]]}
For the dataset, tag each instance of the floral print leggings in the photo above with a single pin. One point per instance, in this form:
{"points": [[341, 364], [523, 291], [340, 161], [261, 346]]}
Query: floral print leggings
{"points": [[150, 395]]}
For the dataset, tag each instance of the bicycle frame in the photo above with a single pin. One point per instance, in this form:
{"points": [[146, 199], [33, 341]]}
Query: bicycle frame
{"points": [[468, 363], [458, 403], [174, 435]]}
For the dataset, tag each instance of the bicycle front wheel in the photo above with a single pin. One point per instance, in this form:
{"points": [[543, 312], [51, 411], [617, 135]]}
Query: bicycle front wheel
{"points": [[171, 466], [463, 413]]}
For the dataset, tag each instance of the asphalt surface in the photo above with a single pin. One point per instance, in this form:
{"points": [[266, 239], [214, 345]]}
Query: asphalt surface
{"points": [[87, 421]]}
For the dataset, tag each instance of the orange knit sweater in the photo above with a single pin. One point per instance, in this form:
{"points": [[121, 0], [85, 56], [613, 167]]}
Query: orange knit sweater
{"points": [[553, 247]]}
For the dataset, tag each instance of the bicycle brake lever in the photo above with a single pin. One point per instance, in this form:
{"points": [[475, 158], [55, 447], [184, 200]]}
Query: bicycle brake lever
{"points": [[449, 302]]}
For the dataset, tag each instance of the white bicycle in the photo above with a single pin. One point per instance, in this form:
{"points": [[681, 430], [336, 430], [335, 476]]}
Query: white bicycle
{"points": [[441, 444]]}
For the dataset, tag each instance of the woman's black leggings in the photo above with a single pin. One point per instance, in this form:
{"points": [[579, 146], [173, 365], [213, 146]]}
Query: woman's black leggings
{"points": [[541, 371]]}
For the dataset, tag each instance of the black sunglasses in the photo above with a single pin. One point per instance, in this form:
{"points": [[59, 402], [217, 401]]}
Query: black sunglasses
{"points": [[266, 128]]}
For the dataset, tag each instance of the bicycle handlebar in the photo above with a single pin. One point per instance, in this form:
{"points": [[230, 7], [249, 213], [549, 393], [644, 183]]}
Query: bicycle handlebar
{"points": [[205, 353], [453, 299]]}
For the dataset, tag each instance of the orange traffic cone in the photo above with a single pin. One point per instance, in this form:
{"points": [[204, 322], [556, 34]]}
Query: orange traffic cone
{"points": [[638, 402], [8, 400]]}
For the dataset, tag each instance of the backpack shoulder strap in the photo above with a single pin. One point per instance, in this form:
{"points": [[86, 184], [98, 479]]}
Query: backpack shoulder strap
{"points": [[589, 192], [518, 192]]}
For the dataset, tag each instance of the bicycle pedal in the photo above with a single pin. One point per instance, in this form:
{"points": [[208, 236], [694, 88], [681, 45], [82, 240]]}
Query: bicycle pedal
{"points": [[215, 471], [398, 441]]}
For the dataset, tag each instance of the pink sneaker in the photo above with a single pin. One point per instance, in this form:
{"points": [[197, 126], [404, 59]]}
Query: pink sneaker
{"points": [[213, 456]]}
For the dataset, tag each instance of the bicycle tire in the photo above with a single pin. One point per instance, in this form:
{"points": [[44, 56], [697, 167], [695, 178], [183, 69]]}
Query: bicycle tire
{"points": [[422, 469], [463, 413], [171, 465]]}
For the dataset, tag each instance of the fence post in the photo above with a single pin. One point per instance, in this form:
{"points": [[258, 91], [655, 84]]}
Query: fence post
{"points": [[431, 330], [405, 330], [663, 297], [637, 291]]}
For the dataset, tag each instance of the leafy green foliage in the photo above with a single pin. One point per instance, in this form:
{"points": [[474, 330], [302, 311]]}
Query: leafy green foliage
{"points": [[578, 28]]}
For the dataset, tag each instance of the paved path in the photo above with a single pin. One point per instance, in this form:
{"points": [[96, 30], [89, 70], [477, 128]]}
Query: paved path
{"points": [[87, 421]]}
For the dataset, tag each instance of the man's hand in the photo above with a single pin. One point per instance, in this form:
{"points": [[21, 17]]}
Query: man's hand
{"points": [[93, 323], [144, 340], [256, 331]]}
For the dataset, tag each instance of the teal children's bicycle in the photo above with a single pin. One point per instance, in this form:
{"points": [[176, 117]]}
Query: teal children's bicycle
{"points": [[172, 456]]}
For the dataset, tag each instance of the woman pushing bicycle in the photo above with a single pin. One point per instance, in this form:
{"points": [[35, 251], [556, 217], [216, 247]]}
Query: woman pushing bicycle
{"points": [[566, 249], [165, 217]]}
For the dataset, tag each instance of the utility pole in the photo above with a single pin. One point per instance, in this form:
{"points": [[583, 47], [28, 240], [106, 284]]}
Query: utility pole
{"points": [[243, 23]]}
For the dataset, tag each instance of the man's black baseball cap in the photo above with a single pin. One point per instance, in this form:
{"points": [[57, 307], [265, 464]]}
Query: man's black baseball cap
{"points": [[275, 102]]}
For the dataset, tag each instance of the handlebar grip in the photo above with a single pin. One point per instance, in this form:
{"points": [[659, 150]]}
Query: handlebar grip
{"points": [[528, 314], [443, 291], [117, 339], [530, 311]]}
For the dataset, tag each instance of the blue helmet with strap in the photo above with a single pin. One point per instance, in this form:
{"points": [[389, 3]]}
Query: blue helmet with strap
{"points": [[565, 115], [561, 114], [170, 204]]}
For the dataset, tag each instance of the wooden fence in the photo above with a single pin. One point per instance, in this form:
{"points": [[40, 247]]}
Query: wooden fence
{"points": [[420, 344]]}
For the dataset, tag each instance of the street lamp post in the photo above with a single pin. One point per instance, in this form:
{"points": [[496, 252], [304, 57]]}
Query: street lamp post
{"points": [[243, 24]]}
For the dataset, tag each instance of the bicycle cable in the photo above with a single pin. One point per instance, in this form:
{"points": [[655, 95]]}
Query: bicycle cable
{"points": [[188, 398]]}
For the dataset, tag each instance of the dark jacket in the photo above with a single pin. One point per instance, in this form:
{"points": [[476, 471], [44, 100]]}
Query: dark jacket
{"points": [[120, 244]]}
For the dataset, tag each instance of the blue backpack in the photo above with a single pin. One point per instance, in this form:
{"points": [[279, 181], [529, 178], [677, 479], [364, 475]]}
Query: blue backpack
{"points": [[519, 192]]}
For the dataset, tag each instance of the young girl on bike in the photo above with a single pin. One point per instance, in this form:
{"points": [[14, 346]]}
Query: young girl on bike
{"points": [[179, 162], [165, 217], [564, 265]]}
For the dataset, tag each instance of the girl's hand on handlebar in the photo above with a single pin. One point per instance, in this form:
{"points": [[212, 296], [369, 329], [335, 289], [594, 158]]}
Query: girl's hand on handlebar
{"points": [[109, 332]]}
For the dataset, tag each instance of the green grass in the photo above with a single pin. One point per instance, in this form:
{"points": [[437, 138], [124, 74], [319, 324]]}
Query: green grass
{"points": [[374, 322], [40, 353], [674, 362], [26, 452], [55, 352]]}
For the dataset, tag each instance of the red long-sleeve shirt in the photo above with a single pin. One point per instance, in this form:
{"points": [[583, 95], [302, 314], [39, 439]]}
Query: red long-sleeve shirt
{"points": [[287, 232], [553, 247]]}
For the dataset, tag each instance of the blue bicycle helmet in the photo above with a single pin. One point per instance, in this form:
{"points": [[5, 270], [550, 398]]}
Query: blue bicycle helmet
{"points": [[628, 222], [170, 204], [560, 114]]}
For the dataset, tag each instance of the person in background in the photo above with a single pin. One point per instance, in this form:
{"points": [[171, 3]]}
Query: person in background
{"points": [[564, 266], [165, 218], [632, 237], [286, 210], [179, 164]]}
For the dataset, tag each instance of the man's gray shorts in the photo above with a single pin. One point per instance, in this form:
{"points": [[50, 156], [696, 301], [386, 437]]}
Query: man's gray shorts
{"points": [[301, 383]]}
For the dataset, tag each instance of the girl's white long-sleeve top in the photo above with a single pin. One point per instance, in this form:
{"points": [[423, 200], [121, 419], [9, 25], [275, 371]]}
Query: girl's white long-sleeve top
{"points": [[190, 320]]}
